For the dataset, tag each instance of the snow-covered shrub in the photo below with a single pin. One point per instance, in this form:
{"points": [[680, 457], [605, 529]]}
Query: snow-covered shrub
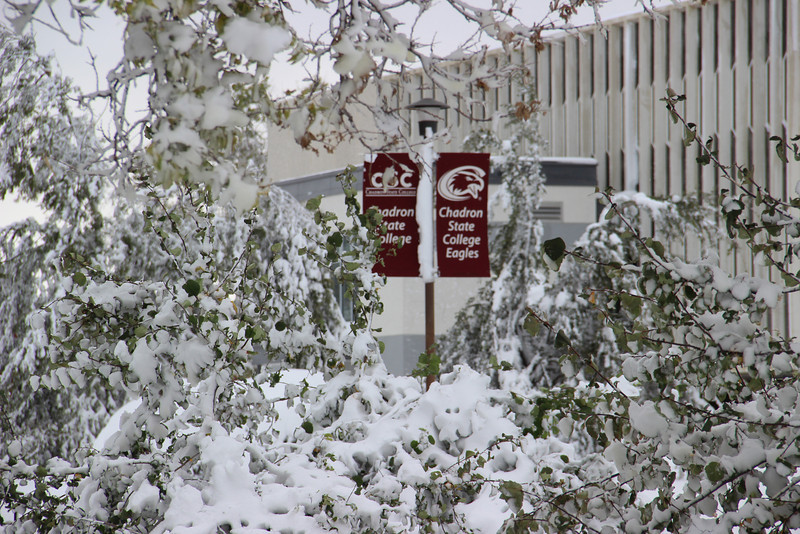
{"points": [[588, 279], [182, 346], [492, 328], [268, 242], [707, 437], [48, 154]]}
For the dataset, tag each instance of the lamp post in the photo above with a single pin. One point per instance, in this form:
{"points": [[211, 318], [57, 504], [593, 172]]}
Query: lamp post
{"points": [[427, 117]]}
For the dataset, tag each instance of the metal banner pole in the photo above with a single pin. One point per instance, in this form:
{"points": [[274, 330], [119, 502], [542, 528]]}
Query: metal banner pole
{"points": [[427, 109], [430, 306]]}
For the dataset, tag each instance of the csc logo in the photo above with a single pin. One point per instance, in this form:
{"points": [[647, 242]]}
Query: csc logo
{"points": [[391, 178], [462, 183]]}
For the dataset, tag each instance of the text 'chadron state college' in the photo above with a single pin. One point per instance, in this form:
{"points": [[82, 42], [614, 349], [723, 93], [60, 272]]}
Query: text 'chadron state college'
{"points": [[462, 197]]}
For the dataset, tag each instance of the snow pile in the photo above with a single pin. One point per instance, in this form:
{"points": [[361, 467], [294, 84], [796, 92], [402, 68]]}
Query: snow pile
{"points": [[373, 452]]}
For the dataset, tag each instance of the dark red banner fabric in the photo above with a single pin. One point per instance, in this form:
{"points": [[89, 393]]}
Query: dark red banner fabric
{"points": [[462, 205], [390, 186]]}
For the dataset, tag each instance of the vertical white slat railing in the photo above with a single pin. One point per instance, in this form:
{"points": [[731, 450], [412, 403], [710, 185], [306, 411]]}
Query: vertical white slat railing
{"points": [[741, 87]]}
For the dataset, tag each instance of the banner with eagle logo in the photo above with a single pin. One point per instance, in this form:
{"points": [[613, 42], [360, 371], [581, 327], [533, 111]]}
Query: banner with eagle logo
{"points": [[462, 205]]}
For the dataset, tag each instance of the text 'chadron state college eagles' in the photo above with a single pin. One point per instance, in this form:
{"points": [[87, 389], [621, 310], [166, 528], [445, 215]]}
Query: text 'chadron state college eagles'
{"points": [[462, 200], [390, 186]]}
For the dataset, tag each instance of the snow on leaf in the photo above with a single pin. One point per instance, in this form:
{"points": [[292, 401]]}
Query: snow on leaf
{"points": [[646, 419], [258, 41]]}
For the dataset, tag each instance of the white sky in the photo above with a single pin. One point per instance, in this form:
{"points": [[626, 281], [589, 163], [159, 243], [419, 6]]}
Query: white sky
{"points": [[104, 39], [104, 42]]}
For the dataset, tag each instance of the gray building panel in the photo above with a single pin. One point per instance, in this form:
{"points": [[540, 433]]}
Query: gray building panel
{"points": [[324, 183], [569, 232], [556, 171], [569, 171]]}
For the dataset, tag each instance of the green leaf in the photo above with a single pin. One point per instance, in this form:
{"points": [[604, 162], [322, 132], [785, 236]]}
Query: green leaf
{"points": [[335, 239], [307, 426], [789, 280], [79, 278], [280, 326], [313, 203], [715, 472], [755, 384], [780, 148], [594, 426], [657, 247], [689, 292], [554, 250], [276, 247], [688, 135], [192, 288], [532, 325], [428, 364], [546, 472], [511, 492], [561, 340], [632, 303]]}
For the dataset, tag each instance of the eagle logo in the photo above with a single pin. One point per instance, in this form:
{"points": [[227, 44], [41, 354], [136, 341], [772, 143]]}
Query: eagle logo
{"points": [[462, 183]]}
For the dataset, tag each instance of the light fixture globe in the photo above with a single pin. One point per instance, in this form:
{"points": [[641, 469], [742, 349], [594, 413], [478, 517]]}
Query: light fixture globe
{"points": [[428, 113]]}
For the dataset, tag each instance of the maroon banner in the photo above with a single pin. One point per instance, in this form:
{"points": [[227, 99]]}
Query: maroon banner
{"points": [[390, 186], [462, 200]]}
